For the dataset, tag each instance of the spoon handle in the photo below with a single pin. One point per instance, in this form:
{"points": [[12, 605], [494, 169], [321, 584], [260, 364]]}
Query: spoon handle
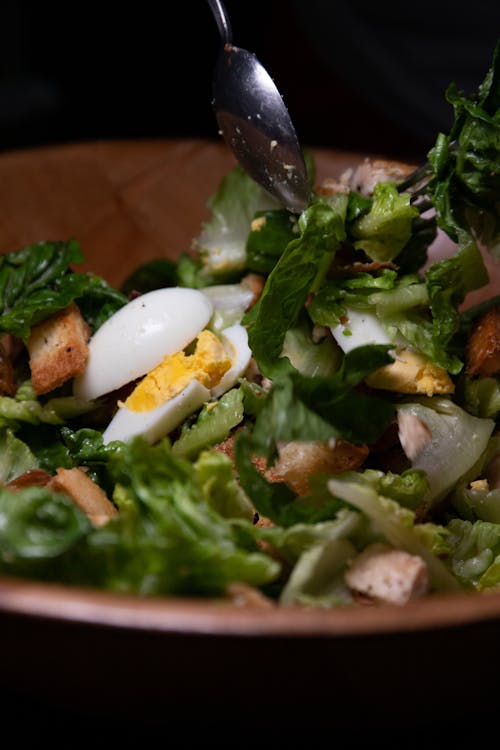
{"points": [[222, 20]]}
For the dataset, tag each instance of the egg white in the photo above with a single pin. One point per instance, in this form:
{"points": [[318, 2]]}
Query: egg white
{"points": [[360, 329], [139, 336], [158, 422], [235, 340]]}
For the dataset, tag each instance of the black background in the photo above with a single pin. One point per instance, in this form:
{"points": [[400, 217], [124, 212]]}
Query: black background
{"points": [[354, 74]]}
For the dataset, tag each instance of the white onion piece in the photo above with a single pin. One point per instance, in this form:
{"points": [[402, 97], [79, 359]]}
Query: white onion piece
{"points": [[457, 440]]}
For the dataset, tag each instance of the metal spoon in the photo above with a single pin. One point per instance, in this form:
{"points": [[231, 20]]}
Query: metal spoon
{"points": [[254, 121]]}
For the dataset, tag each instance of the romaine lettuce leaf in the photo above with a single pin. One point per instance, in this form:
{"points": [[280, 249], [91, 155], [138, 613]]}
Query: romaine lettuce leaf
{"points": [[219, 486], [384, 231], [482, 396], [15, 456], [309, 357], [37, 281], [214, 424], [476, 552], [299, 271], [221, 244], [36, 526], [270, 233], [168, 537], [448, 282], [466, 164]]}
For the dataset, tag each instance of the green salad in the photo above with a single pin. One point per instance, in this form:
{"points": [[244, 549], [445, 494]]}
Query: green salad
{"points": [[301, 411]]}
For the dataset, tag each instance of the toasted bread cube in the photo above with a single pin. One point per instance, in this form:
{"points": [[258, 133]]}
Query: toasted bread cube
{"points": [[85, 493], [483, 346], [58, 349], [299, 460]]}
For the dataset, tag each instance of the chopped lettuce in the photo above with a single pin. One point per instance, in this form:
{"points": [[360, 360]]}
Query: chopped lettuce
{"points": [[299, 271], [482, 396], [166, 539], [309, 357], [214, 423], [476, 552], [270, 233], [221, 245], [37, 526], [384, 231], [37, 281], [15, 456], [465, 182]]}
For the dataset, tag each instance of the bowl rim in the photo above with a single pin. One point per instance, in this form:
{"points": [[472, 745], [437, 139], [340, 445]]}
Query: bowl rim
{"points": [[219, 617]]}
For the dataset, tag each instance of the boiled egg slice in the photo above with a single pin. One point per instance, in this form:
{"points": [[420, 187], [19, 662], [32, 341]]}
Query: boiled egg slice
{"points": [[156, 423], [180, 385], [359, 329], [235, 339], [139, 336]]}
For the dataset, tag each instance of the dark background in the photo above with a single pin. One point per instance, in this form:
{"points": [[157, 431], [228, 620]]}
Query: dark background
{"points": [[354, 74]]}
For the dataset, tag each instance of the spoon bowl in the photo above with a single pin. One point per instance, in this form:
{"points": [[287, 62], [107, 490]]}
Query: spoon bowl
{"points": [[255, 123]]}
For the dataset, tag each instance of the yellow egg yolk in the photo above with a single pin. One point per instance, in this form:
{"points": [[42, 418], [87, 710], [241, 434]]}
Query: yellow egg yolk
{"points": [[411, 372], [207, 364]]}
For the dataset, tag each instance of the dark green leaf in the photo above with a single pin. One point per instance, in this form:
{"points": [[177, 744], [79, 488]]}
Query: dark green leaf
{"points": [[156, 274]]}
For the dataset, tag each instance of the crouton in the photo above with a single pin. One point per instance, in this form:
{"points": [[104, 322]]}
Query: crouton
{"points": [[482, 351], [58, 349], [388, 575], [85, 493], [30, 478], [7, 380], [243, 595], [299, 460]]}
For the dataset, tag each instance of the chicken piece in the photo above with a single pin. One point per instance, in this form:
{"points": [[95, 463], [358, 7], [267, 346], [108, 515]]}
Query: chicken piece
{"points": [[371, 171], [332, 185], [299, 460], [85, 493], [482, 352], [254, 282], [413, 434], [388, 575], [58, 349], [365, 176]]}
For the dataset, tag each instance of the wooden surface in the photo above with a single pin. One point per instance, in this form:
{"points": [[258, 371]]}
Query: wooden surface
{"points": [[125, 202]]}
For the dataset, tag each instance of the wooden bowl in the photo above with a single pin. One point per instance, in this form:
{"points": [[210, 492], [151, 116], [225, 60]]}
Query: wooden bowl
{"points": [[128, 202]]}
